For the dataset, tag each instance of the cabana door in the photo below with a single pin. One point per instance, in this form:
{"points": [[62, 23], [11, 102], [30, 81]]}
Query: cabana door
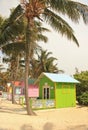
{"points": [[46, 92]]}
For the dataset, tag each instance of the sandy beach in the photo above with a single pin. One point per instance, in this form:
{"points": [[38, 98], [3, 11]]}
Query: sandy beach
{"points": [[14, 117]]}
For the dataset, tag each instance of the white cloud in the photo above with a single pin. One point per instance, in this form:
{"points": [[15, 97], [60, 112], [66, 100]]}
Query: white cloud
{"points": [[6, 5]]}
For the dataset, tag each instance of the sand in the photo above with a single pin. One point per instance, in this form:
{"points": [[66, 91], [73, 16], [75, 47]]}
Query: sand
{"points": [[14, 117]]}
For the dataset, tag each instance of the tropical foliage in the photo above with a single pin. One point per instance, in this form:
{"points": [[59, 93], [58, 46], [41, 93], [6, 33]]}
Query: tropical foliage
{"points": [[82, 87], [43, 62], [83, 99]]}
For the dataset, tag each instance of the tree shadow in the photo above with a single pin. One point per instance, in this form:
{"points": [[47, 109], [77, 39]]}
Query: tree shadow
{"points": [[81, 106], [27, 127], [78, 127], [5, 129], [47, 126], [20, 111], [16, 109], [50, 126]]}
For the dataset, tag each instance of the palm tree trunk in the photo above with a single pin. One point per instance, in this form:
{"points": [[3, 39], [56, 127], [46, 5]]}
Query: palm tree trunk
{"points": [[27, 47], [13, 93], [15, 70], [13, 87]]}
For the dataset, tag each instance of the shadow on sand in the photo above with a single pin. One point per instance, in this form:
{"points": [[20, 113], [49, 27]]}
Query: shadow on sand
{"points": [[50, 126], [47, 126], [78, 127], [13, 110]]}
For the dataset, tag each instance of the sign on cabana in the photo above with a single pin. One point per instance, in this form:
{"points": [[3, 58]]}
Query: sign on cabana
{"points": [[33, 91]]}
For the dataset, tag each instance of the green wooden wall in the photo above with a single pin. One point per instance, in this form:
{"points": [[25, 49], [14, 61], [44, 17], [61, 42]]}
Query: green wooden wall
{"points": [[65, 95], [50, 83]]}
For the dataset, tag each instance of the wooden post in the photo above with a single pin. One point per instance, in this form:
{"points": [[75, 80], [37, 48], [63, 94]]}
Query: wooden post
{"points": [[55, 95]]}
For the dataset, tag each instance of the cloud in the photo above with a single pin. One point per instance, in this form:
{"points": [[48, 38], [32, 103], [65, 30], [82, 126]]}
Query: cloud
{"points": [[6, 5]]}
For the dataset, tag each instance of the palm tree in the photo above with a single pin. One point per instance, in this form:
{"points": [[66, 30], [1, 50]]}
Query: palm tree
{"points": [[17, 43], [13, 38], [14, 66], [43, 63], [48, 10]]}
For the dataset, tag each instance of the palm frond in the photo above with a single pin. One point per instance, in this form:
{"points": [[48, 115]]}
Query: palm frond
{"points": [[83, 9], [15, 47], [70, 8], [11, 26], [16, 14], [42, 38], [59, 25]]}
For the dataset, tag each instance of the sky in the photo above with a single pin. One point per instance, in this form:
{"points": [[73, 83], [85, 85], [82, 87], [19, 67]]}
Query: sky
{"points": [[68, 55]]}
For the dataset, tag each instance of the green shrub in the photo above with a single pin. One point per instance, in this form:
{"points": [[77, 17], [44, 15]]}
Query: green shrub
{"points": [[83, 99]]}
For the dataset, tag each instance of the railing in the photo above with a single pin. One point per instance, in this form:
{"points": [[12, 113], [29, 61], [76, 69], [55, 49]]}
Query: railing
{"points": [[35, 103], [39, 103], [42, 103]]}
